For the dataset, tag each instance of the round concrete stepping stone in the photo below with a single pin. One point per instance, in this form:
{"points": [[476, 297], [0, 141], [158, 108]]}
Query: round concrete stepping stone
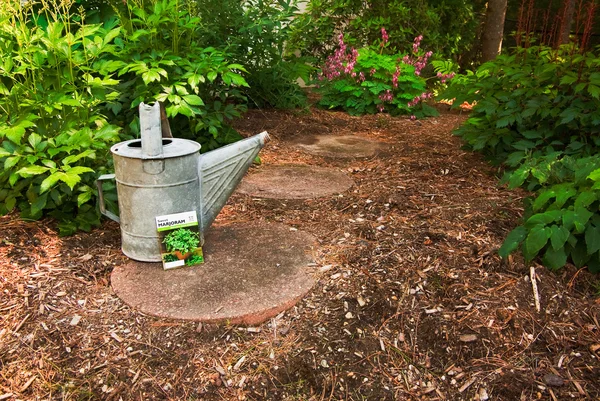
{"points": [[347, 146], [295, 182], [252, 272]]}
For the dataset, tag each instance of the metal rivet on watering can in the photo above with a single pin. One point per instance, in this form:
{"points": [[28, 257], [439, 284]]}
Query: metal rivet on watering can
{"points": [[157, 176]]}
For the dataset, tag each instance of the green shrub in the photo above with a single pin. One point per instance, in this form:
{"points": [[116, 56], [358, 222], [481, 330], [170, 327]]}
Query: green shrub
{"points": [[450, 27], [534, 102], [368, 81], [254, 33], [536, 113], [54, 138], [161, 57], [562, 222]]}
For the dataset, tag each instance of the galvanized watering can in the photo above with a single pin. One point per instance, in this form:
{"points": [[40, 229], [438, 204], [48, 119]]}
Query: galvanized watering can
{"points": [[158, 176]]}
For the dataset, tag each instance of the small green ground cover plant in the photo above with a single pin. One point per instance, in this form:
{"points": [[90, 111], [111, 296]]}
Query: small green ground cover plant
{"points": [[536, 114], [367, 81]]}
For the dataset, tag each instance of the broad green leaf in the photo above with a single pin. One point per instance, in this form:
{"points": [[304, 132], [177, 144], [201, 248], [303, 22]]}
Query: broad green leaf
{"points": [[517, 178], [542, 199], [83, 198], [559, 236], [592, 239], [594, 263], [582, 215], [79, 170], [193, 100], [564, 194], [11, 162], [585, 199], [211, 76], [512, 241], [579, 254], [49, 182], [594, 175], [73, 158], [39, 204], [10, 203], [544, 218], [70, 179], [536, 240], [12, 180], [34, 140], [32, 170], [554, 259], [594, 91]]}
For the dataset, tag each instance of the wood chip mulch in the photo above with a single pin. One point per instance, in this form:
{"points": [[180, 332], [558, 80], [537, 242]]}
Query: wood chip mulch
{"points": [[412, 301]]}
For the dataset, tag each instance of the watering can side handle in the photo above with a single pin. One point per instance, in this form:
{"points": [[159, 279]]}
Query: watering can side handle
{"points": [[101, 203]]}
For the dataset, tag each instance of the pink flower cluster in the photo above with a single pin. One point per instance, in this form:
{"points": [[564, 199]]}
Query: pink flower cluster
{"points": [[384, 37], [444, 77], [386, 96], [421, 97], [340, 62], [418, 61], [395, 77]]}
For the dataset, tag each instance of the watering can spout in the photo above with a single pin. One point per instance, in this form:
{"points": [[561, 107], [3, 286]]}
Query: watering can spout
{"points": [[220, 172]]}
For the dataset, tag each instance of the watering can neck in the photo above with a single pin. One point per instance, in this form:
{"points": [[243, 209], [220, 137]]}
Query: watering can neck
{"points": [[150, 130]]}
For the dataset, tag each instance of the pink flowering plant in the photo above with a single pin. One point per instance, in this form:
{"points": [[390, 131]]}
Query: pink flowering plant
{"points": [[369, 81]]}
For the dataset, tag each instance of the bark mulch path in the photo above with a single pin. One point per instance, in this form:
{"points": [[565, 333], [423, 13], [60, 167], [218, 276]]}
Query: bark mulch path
{"points": [[412, 302]]}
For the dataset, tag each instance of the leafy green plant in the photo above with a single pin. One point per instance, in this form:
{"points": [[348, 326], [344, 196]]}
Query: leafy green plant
{"points": [[534, 102], [535, 113], [54, 138], [368, 81], [161, 57], [450, 27], [563, 221], [183, 240]]}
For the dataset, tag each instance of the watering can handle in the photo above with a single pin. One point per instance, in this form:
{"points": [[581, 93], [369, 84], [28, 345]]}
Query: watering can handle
{"points": [[103, 210]]}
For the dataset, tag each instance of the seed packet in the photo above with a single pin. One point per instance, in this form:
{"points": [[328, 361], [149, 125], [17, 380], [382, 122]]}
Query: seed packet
{"points": [[180, 240]]}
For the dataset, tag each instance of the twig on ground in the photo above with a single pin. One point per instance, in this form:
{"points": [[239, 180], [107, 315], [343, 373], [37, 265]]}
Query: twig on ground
{"points": [[536, 294]]}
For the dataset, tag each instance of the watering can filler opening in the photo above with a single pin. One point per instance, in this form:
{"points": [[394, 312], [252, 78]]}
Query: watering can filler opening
{"points": [[158, 176]]}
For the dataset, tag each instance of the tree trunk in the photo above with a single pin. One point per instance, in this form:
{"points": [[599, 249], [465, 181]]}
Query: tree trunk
{"points": [[493, 29], [566, 22]]}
